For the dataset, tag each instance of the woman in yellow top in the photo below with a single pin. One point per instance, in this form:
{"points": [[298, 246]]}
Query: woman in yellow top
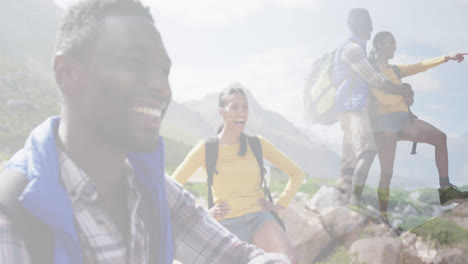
{"points": [[393, 121], [239, 202]]}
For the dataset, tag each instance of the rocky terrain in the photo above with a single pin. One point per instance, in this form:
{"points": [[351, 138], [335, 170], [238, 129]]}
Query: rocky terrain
{"points": [[324, 229]]}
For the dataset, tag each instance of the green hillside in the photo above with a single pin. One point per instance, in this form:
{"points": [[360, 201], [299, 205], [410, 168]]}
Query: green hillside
{"points": [[27, 96], [175, 153]]}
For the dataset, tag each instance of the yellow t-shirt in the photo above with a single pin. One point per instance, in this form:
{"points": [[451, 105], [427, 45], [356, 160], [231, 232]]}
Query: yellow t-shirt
{"points": [[389, 103], [238, 178]]}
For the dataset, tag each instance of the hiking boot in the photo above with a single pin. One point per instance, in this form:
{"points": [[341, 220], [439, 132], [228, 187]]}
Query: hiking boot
{"points": [[451, 195]]}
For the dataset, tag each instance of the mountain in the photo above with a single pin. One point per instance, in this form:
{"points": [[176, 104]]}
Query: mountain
{"points": [[199, 119], [27, 97], [28, 29], [27, 90]]}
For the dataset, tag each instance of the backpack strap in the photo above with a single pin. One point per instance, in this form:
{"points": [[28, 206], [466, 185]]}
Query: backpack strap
{"points": [[211, 156], [37, 236], [256, 147], [396, 70]]}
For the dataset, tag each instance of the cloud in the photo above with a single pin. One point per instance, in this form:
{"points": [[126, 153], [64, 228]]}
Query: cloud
{"points": [[191, 83], [215, 12], [275, 77], [436, 107]]}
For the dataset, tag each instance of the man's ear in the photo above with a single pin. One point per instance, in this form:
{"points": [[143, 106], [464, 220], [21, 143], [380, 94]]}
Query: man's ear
{"points": [[66, 73]]}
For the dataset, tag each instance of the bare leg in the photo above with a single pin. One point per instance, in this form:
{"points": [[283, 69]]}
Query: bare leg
{"points": [[272, 238], [386, 146], [423, 132]]}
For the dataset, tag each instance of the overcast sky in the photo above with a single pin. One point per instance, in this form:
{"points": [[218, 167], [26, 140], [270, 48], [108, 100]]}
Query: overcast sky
{"points": [[268, 46]]}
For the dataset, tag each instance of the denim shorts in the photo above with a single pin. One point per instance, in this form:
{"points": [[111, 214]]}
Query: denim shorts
{"points": [[396, 121], [245, 226]]}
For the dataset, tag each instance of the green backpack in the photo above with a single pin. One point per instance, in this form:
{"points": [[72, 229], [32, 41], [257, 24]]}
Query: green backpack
{"points": [[319, 92]]}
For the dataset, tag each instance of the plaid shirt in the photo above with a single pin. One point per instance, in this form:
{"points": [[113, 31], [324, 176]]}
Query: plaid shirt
{"points": [[353, 55], [355, 75], [198, 237]]}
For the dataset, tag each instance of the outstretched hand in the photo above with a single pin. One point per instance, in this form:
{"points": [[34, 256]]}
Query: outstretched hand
{"points": [[220, 210], [268, 206], [459, 57]]}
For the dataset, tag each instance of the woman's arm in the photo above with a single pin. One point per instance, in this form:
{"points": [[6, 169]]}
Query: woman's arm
{"points": [[194, 160], [412, 69], [283, 162]]}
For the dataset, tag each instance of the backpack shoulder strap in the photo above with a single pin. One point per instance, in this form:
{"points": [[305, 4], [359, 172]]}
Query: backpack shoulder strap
{"points": [[37, 236], [256, 147], [211, 156], [396, 70]]}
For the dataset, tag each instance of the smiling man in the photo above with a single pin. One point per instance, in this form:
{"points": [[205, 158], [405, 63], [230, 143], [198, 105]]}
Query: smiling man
{"points": [[89, 186]]}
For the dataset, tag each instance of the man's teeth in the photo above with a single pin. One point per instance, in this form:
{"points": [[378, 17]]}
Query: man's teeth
{"points": [[148, 111]]}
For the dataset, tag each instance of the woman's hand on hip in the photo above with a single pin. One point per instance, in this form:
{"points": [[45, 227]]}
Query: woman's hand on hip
{"points": [[220, 210], [269, 206]]}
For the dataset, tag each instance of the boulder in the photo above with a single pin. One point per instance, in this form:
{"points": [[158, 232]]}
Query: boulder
{"points": [[451, 256], [341, 221], [409, 253], [376, 250], [305, 232], [427, 250], [458, 215], [325, 197], [344, 183]]}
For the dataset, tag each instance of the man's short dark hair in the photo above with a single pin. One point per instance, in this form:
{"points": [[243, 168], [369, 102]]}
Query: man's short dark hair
{"points": [[80, 25], [355, 15]]}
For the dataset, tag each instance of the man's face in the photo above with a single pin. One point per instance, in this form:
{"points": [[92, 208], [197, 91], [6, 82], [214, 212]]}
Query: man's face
{"points": [[125, 89]]}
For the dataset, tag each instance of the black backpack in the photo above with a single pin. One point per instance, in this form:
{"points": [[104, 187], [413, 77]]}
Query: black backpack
{"points": [[211, 157]]}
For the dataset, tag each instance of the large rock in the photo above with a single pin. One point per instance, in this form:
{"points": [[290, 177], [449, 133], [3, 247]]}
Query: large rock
{"points": [[376, 250], [409, 253], [454, 255], [305, 232], [427, 250], [458, 215], [325, 197], [341, 221]]}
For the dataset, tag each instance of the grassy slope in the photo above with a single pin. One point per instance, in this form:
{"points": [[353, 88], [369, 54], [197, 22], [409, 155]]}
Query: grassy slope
{"points": [[27, 96]]}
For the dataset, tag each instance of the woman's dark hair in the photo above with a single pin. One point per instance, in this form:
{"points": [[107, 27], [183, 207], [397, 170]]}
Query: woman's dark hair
{"points": [[379, 38], [223, 101]]}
